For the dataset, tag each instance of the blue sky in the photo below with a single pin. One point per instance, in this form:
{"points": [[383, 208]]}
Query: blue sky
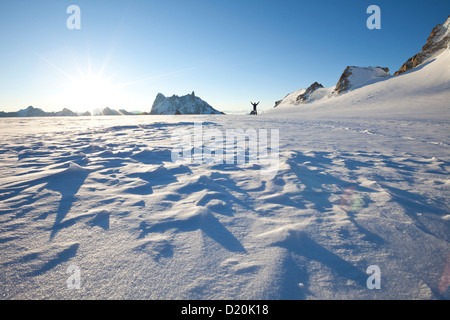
{"points": [[230, 52]]}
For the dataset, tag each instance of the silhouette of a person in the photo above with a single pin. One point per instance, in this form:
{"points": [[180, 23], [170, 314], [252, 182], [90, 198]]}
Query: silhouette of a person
{"points": [[254, 107]]}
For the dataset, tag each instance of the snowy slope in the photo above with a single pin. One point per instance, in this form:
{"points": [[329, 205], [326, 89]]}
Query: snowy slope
{"points": [[425, 89], [438, 43], [356, 77], [352, 78], [292, 98]]}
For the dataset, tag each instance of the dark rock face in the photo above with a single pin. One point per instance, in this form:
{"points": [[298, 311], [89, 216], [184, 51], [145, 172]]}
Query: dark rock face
{"points": [[344, 83], [304, 96], [363, 73], [439, 39]]}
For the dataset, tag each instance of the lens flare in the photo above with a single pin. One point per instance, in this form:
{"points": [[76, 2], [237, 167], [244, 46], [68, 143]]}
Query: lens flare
{"points": [[351, 200]]}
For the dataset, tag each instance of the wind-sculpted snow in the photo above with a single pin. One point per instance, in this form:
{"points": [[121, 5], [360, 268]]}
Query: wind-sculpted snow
{"points": [[104, 195]]}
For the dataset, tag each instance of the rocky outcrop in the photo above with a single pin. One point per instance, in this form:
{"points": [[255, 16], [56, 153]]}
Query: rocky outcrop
{"points": [[438, 40], [343, 83], [354, 77], [188, 104], [278, 102], [304, 96]]}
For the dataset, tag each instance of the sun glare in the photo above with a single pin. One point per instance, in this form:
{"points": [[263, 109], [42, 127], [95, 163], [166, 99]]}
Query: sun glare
{"points": [[90, 92]]}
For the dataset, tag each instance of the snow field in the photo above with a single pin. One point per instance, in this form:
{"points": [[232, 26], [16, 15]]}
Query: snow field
{"points": [[105, 196]]}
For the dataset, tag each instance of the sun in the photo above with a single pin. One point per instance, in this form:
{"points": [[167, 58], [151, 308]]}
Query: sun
{"points": [[89, 92]]}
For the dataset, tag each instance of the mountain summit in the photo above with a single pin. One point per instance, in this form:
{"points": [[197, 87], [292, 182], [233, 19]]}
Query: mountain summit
{"points": [[188, 104], [355, 77], [438, 40]]}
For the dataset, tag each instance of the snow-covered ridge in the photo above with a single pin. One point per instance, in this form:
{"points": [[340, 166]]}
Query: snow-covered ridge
{"points": [[354, 78], [302, 96], [423, 90], [188, 104]]}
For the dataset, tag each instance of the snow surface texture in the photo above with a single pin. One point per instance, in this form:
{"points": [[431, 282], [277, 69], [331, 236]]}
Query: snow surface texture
{"points": [[363, 180]]}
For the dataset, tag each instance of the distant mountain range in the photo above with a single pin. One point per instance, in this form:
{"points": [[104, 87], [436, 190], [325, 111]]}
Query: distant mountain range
{"points": [[188, 104], [37, 112]]}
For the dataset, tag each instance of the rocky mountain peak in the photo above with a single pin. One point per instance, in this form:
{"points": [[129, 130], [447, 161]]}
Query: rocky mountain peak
{"points": [[438, 40], [187, 104], [304, 96], [354, 77]]}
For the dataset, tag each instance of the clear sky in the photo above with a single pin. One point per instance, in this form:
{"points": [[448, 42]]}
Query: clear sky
{"points": [[230, 52]]}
